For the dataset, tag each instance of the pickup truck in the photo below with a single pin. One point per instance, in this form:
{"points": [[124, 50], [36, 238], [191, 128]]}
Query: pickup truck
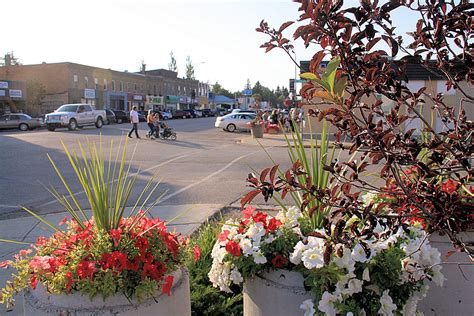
{"points": [[73, 116]]}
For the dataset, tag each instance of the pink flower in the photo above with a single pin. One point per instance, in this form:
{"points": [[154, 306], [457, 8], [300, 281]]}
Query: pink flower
{"points": [[233, 248], [40, 264], [248, 211], [223, 236], [63, 221], [116, 235], [33, 281], [5, 264], [85, 269], [197, 253], [25, 252]]}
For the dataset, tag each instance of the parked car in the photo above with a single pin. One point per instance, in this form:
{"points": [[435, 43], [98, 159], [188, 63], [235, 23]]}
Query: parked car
{"points": [[166, 115], [207, 112], [121, 116], [233, 122], [181, 114], [110, 117], [73, 116], [243, 111], [198, 113], [193, 113], [21, 121]]}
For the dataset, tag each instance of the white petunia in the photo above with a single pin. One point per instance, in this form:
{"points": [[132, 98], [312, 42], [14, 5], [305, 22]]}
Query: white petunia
{"points": [[346, 261], [326, 304], [259, 258], [308, 307], [256, 232], [246, 246], [358, 253], [366, 275], [410, 306], [354, 286], [236, 277], [438, 277], [313, 258], [295, 256], [218, 253], [387, 307]]}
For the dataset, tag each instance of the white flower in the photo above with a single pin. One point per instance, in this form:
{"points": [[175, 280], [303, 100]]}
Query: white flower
{"points": [[295, 256], [354, 286], [387, 306], [219, 275], [410, 306], [346, 261], [308, 307], [259, 258], [438, 277], [365, 275], [246, 246], [256, 232], [350, 314], [358, 253], [315, 242], [313, 258], [326, 304], [236, 277], [218, 253]]}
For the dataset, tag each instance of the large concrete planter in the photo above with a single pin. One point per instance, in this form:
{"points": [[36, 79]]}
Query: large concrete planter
{"points": [[41, 303], [275, 293], [456, 297], [257, 131]]}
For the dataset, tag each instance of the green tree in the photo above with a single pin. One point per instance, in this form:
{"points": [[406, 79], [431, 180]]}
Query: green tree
{"points": [[189, 69], [9, 60], [247, 85], [35, 93], [172, 65]]}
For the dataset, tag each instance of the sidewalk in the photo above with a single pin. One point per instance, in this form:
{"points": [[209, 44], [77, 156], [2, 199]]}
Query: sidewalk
{"points": [[28, 229], [278, 140]]}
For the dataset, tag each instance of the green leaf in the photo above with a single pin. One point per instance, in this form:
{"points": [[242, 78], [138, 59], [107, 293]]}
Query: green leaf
{"points": [[330, 73], [308, 76], [341, 84]]}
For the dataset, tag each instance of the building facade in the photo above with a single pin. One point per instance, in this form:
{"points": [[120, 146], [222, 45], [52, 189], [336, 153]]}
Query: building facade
{"points": [[12, 96], [107, 89]]}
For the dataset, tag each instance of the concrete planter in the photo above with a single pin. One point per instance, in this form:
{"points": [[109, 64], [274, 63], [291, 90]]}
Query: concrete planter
{"points": [[41, 303], [274, 293], [257, 131], [456, 297]]}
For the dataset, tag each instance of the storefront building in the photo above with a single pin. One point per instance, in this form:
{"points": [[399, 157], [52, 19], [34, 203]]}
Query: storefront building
{"points": [[12, 96]]}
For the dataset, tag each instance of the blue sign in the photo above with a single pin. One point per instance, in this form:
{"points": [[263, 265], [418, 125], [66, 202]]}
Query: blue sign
{"points": [[211, 95], [247, 92]]}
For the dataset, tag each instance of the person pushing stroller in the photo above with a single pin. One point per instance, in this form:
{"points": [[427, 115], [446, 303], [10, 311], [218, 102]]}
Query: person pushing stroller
{"points": [[151, 121]]}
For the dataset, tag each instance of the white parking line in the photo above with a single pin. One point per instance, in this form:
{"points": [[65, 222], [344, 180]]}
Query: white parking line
{"points": [[9, 206]]}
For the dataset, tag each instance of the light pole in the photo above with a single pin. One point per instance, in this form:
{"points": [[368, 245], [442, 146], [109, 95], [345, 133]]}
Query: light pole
{"points": [[193, 90]]}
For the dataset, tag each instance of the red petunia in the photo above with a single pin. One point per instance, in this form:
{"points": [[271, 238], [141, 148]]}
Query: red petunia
{"points": [[116, 235], [5, 264], [69, 280], [450, 186], [279, 261], [167, 285], [223, 236], [197, 253], [233, 248], [85, 269], [260, 218], [248, 211], [33, 281], [273, 224]]}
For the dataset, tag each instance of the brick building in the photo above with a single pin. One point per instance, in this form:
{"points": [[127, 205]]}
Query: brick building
{"points": [[12, 96], [107, 89]]}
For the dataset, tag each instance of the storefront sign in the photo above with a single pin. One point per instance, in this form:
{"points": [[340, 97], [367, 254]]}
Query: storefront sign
{"points": [[3, 85], [89, 93], [15, 93], [138, 97], [2, 93], [155, 100]]}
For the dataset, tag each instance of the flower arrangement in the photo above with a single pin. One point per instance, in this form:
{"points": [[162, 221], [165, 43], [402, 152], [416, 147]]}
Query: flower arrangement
{"points": [[105, 253], [136, 259], [257, 121], [383, 272]]}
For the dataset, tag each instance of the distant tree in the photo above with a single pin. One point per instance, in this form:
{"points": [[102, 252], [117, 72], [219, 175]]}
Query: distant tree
{"points": [[247, 85], [35, 93], [189, 69], [172, 65], [217, 89], [9, 60]]}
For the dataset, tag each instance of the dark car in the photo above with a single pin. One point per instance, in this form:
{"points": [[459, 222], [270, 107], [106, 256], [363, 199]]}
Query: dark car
{"points": [[21, 121], [110, 117], [121, 116], [192, 112], [142, 116], [181, 114], [207, 113]]}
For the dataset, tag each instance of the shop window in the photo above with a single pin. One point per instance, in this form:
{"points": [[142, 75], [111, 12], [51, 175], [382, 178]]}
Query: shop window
{"points": [[96, 82], [121, 86], [105, 84], [86, 82], [113, 85]]}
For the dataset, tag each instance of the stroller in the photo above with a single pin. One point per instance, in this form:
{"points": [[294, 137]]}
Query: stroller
{"points": [[166, 132]]}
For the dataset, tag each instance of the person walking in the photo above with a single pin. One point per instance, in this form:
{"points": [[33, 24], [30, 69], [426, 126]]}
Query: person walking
{"points": [[150, 119], [134, 121]]}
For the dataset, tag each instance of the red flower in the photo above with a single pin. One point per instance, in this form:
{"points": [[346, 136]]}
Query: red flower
{"points": [[260, 218], [33, 281], [40, 241], [197, 253], [155, 271], [116, 235], [69, 280], [63, 221], [450, 186], [85, 269], [233, 248], [248, 211], [5, 264], [223, 236], [116, 261], [273, 224], [279, 261], [167, 285]]}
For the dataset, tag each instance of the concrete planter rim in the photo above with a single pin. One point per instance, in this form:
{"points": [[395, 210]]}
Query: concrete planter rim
{"points": [[272, 278], [42, 299]]}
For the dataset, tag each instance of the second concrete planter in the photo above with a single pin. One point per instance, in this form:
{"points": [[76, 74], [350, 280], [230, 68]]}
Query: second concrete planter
{"points": [[40, 302], [275, 293]]}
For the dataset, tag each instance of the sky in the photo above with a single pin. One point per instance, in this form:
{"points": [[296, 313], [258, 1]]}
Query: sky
{"points": [[218, 35]]}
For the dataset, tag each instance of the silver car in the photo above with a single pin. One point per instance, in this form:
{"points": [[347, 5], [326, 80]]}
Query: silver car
{"points": [[21, 121], [236, 121]]}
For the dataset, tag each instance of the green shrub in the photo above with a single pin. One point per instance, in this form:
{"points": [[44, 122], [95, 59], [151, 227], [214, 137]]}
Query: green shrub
{"points": [[206, 299]]}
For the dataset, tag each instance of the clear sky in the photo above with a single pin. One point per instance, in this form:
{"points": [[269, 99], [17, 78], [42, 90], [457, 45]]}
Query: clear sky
{"points": [[119, 34]]}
